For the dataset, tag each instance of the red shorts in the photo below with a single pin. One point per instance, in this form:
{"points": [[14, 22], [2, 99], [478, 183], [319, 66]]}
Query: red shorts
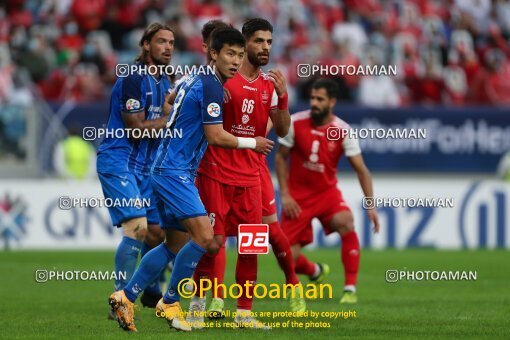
{"points": [[323, 207], [228, 206], [266, 185]]}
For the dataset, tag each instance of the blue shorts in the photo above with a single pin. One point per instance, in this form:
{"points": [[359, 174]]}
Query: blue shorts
{"points": [[178, 199], [122, 185], [144, 183]]}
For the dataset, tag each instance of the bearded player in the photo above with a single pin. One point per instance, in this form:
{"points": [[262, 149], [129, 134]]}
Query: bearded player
{"points": [[315, 142], [123, 164], [229, 182]]}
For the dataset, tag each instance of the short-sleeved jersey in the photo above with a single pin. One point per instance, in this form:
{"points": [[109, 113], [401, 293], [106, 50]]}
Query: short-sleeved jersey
{"points": [[245, 115], [313, 157], [198, 102], [133, 94]]}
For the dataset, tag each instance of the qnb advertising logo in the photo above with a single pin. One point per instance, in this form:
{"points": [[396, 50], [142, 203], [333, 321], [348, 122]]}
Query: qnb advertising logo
{"points": [[253, 239], [483, 219], [13, 220]]}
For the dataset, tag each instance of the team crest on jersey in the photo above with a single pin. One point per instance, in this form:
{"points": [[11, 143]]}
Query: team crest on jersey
{"points": [[213, 110], [132, 104], [245, 119], [265, 97]]}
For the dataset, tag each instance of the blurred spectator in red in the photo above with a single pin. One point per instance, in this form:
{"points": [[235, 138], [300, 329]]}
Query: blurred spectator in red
{"points": [[429, 89], [71, 39], [492, 83], [456, 86], [89, 13]]}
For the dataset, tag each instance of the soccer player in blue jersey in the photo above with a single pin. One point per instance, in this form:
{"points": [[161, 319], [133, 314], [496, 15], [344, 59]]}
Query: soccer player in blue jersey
{"points": [[123, 164], [197, 116]]}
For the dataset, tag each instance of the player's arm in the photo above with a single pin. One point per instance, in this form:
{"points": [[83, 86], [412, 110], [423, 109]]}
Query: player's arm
{"points": [[169, 102], [280, 115], [216, 136], [138, 121], [133, 103], [365, 181], [211, 97], [290, 207]]}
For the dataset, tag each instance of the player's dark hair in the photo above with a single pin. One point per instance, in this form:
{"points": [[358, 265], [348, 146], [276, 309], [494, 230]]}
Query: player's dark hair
{"points": [[226, 36], [210, 26], [149, 32], [257, 24], [329, 85]]}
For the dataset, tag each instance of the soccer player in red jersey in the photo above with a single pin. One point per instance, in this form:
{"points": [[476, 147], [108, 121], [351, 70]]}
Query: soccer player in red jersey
{"points": [[315, 142], [229, 182]]}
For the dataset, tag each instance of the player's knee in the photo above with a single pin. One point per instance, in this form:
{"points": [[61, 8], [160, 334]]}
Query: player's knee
{"points": [[342, 223], [135, 228], [346, 227], [155, 236], [213, 247], [206, 240]]}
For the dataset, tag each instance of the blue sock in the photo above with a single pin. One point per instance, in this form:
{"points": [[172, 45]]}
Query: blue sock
{"points": [[145, 249], [148, 271], [153, 288], [184, 265], [125, 260]]}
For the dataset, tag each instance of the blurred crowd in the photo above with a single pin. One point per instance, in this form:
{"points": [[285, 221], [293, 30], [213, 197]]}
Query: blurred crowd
{"points": [[451, 52]]}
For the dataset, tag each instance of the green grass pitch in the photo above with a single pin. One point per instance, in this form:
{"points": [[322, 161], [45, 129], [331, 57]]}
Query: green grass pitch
{"points": [[419, 309]]}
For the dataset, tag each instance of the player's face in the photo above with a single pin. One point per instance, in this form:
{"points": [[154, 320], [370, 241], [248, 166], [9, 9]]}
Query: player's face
{"points": [[229, 59], [320, 104], [161, 47], [258, 47]]}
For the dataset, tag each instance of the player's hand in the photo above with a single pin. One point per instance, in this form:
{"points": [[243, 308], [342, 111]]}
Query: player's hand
{"points": [[264, 145], [290, 207], [374, 217], [280, 84], [226, 95]]}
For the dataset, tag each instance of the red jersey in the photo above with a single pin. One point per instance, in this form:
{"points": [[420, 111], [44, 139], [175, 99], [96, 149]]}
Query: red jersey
{"points": [[314, 157], [245, 115]]}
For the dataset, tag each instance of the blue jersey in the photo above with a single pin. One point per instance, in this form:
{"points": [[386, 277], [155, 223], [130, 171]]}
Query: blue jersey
{"points": [[133, 94], [198, 101]]}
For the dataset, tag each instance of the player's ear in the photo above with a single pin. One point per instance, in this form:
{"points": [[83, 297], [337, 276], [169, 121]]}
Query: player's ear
{"points": [[146, 45], [204, 48], [214, 54]]}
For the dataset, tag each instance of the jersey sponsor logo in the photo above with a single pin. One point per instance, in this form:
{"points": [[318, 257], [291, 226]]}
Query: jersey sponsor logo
{"points": [[253, 238], [246, 87], [245, 118], [317, 133], [243, 130], [265, 97], [132, 104], [213, 109]]}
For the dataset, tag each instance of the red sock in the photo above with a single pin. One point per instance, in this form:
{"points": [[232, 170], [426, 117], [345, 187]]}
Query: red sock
{"points": [[304, 266], [281, 249], [350, 257], [219, 271], [246, 270], [204, 270]]}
